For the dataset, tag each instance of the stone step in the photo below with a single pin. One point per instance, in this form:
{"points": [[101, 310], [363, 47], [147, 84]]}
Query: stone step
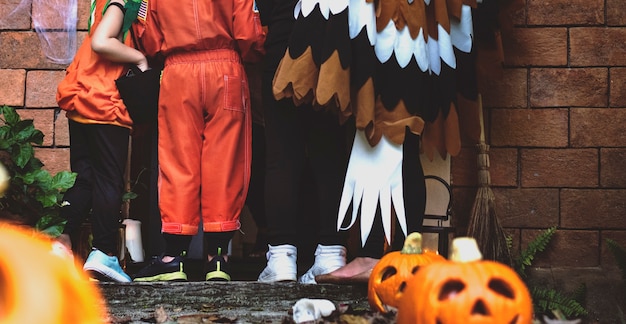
{"points": [[226, 302]]}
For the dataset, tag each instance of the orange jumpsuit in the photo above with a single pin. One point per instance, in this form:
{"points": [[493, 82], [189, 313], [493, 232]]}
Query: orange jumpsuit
{"points": [[204, 141]]}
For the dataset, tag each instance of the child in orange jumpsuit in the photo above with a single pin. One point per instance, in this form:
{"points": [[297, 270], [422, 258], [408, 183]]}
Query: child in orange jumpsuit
{"points": [[204, 124], [99, 131]]}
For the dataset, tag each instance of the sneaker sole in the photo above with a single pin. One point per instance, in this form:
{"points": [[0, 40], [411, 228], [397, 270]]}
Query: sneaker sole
{"points": [[104, 274], [217, 276], [276, 278], [172, 276]]}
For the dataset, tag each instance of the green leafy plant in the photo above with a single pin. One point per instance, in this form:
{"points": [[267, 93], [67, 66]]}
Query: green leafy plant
{"points": [[34, 194], [620, 255], [620, 259], [547, 301], [535, 246]]}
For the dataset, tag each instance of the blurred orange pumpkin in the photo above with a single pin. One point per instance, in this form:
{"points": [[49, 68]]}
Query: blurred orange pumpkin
{"points": [[465, 289], [389, 276], [37, 286]]}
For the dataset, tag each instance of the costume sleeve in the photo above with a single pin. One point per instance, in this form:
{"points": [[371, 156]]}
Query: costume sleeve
{"points": [[266, 8], [148, 31], [247, 31]]}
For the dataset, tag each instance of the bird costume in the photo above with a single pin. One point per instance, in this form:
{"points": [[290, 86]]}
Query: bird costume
{"points": [[404, 69]]}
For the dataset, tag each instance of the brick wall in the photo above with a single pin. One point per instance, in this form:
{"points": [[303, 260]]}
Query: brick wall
{"points": [[28, 80], [555, 125], [554, 121]]}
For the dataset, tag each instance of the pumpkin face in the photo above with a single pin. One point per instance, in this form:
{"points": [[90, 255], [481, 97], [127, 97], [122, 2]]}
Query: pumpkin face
{"points": [[37, 286], [474, 292], [388, 279]]}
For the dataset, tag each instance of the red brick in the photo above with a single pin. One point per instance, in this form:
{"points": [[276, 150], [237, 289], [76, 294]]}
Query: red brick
{"points": [[61, 130], [512, 13], [565, 12], [508, 91], [559, 168], [615, 12], [54, 159], [612, 170], [84, 8], [53, 15], [58, 47], [567, 248], [536, 47], [527, 207], [22, 50], [43, 119], [569, 87], [607, 259], [41, 88], [12, 83], [15, 14], [529, 127], [597, 127], [463, 168], [462, 200], [618, 91], [502, 167], [593, 208], [596, 46]]}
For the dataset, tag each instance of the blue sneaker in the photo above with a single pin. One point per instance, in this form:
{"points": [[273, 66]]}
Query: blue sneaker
{"points": [[102, 267]]}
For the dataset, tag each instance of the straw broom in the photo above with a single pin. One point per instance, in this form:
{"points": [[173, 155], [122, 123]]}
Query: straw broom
{"points": [[483, 223]]}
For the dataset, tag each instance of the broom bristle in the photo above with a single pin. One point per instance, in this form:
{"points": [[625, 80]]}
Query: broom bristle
{"points": [[483, 223], [485, 228]]}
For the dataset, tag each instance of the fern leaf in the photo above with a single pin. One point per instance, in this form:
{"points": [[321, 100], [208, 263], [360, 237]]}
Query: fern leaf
{"points": [[619, 253], [527, 256], [546, 300]]}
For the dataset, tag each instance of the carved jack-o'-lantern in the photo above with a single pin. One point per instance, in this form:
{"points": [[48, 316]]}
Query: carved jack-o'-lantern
{"points": [[38, 286], [390, 274], [465, 290]]}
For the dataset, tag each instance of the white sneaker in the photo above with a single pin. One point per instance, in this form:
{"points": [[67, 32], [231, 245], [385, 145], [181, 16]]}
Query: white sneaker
{"points": [[281, 264], [328, 258]]}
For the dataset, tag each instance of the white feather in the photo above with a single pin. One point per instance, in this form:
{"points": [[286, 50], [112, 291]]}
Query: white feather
{"points": [[307, 6], [446, 51], [385, 41], [462, 31], [362, 15], [337, 6], [433, 55], [297, 9], [420, 51], [373, 178], [404, 46]]}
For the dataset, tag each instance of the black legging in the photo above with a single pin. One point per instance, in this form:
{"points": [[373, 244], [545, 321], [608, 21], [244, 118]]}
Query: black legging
{"points": [[98, 155], [296, 136]]}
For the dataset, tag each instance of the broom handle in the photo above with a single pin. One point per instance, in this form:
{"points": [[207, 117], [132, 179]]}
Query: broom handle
{"points": [[482, 120], [482, 158]]}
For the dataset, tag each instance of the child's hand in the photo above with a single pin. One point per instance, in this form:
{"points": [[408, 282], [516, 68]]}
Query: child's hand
{"points": [[143, 64]]}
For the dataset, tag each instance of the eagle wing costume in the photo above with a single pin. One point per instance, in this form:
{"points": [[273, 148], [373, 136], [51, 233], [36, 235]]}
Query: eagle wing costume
{"points": [[405, 70]]}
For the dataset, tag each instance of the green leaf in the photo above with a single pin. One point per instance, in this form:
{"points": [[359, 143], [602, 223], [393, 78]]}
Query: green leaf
{"points": [[25, 132], [10, 115], [129, 196], [6, 141], [24, 153], [63, 180], [47, 199]]}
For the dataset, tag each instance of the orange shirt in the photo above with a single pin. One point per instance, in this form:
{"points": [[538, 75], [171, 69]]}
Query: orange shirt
{"points": [[88, 92], [192, 25]]}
